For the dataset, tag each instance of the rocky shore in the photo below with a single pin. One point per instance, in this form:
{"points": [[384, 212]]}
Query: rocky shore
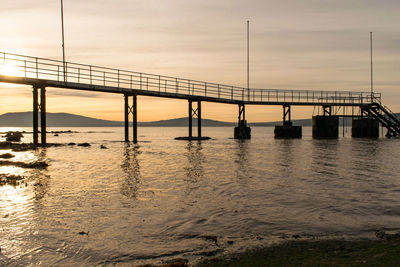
{"points": [[381, 252]]}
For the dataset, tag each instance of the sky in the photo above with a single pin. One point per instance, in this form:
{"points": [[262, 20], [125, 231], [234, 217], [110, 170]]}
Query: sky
{"points": [[310, 44]]}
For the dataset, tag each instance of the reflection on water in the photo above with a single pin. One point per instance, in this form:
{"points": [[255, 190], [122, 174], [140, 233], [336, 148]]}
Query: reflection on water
{"points": [[131, 169], [39, 178], [195, 158], [242, 160], [325, 158], [285, 158], [164, 199]]}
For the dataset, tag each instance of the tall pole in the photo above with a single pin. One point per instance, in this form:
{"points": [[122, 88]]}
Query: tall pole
{"points": [[63, 46], [248, 60], [372, 81]]}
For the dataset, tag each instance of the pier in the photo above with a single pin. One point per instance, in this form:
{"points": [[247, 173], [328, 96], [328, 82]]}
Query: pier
{"points": [[41, 73]]}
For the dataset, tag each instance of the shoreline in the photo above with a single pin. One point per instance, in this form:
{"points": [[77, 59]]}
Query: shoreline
{"points": [[333, 252]]}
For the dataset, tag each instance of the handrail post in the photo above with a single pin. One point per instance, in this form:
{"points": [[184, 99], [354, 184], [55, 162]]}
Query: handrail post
{"points": [[104, 78], [232, 93], [118, 77], [90, 74], [25, 68], [140, 78], [159, 83], [37, 70]]}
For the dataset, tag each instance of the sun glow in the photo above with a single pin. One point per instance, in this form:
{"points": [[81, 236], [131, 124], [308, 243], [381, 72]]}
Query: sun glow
{"points": [[9, 69]]}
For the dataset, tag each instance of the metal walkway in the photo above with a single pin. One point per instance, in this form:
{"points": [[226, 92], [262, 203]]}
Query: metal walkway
{"points": [[52, 73], [42, 73]]}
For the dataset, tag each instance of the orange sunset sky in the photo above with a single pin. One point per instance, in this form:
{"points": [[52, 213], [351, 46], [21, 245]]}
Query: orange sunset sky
{"points": [[312, 44]]}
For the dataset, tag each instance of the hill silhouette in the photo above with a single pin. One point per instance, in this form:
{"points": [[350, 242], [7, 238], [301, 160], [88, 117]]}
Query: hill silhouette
{"points": [[24, 119]]}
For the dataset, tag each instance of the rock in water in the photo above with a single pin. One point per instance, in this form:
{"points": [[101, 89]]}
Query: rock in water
{"points": [[84, 144], [13, 136], [6, 156], [103, 147], [83, 233]]}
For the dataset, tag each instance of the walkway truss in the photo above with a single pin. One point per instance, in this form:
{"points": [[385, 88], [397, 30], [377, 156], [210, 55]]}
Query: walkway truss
{"points": [[42, 73]]}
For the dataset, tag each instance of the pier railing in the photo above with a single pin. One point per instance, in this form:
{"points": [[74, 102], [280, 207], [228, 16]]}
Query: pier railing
{"points": [[55, 70]]}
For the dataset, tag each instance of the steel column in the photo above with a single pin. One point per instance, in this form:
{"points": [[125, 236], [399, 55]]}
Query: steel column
{"points": [[134, 113], [327, 110], [126, 116], [35, 115], [43, 115], [190, 118], [242, 115], [286, 115], [199, 118]]}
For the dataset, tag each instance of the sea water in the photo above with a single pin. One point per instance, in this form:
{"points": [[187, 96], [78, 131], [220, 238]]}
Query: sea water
{"points": [[164, 199]]}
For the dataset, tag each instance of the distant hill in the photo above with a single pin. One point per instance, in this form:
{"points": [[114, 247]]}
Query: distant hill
{"points": [[24, 119], [184, 122]]}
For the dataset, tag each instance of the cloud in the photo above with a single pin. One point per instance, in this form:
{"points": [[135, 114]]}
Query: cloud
{"points": [[293, 44]]}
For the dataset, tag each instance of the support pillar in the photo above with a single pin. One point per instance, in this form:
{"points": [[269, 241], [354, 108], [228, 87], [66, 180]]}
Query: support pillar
{"points": [[35, 115], [287, 118], [134, 113], [43, 130], [327, 110], [190, 119], [126, 116], [194, 113], [287, 130], [199, 119], [242, 131]]}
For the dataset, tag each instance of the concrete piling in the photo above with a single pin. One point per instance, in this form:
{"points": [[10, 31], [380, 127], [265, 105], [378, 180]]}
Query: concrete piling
{"points": [[365, 128], [325, 127]]}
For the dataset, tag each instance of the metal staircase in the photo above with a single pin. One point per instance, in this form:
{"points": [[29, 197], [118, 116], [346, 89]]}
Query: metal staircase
{"points": [[385, 116]]}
